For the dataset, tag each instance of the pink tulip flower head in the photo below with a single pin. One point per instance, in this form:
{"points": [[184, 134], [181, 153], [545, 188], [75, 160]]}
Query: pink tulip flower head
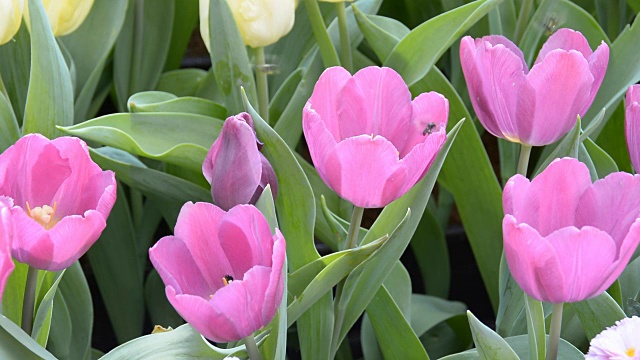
{"points": [[6, 238], [369, 141], [538, 106], [618, 342], [223, 271], [234, 166], [566, 239], [632, 125], [61, 199]]}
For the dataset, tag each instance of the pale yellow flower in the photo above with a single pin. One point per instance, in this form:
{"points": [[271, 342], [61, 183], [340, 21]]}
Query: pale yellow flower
{"points": [[65, 16], [10, 18]]}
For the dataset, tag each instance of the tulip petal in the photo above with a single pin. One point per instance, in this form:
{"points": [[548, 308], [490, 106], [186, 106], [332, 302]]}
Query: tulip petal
{"points": [[245, 238], [6, 238], [554, 93], [198, 227], [319, 138], [365, 170], [625, 251], [324, 100], [376, 101], [632, 125], [585, 257], [420, 159], [565, 39], [532, 261], [495, 70], [429, 115], [514, 195], [275, 289], [174, 262], [598, 62]]}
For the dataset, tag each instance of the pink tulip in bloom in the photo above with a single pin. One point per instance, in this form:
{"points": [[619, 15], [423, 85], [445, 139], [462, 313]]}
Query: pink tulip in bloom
{"points": [[538, 106], [632, 125], [618, 342], [222, 270], [234, 166], [369, 142], [6, 238], [566, 239], [61, 199]]}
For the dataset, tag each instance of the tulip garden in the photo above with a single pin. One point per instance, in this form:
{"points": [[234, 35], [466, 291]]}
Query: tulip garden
{"points": [[280, 179]]}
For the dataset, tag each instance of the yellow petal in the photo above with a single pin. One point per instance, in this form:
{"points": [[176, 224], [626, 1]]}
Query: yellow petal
{"points": [[10, 18], [65, 16]]}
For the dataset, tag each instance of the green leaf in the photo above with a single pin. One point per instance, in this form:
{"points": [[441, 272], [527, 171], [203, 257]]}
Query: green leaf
{"points": [[157, 101], [413, 60], [612, 136], [229, 58], [9, 131], [50, 96], [603, 163], [381, 40], [429, 246], [520, 344], [429, 311], [511, 315], [489, 344], [598, 313], [175, 138], [182, 82], [115, 263], [267, 207], [15, 66], [285, 93], [16, 344], [150, 182], [184, 21], [536, 328], [160, 309], [42, 318], [568, 146]]}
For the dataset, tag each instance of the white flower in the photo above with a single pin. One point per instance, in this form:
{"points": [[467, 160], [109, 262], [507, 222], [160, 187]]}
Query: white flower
{"points": [[618, 342]]}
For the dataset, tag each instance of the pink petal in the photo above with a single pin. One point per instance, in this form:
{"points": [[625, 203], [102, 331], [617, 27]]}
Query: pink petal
{"points": [[586, 257], [532, 261], [6, 238], [268, 177], [495, 70], [275, 290], [376, 101], [365, 170], [171, 257], [553, 95], [242, 300], [198, 227], [430, 114], [550, 201], [245, 238], [420, 159], [598, 62], [319, 139], [514, 195], [565, 39], [611, 204], [632, 125], [324, 99]]}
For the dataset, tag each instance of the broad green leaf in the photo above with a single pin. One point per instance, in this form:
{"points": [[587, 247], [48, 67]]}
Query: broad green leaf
{"points": [[428, 311], [183, 342], [267, 207], [148, 181], [185, 18], [381, 40], [176, 138], [157, 101], [429, 246], [15, 66], [16, 344], [160, 309], [142, 47], [612, 137], [598, 313], [603, 163], [182, 82], [283, 96], [364, 286], [115, 263], [489, 344], [413, 60], [511, 317], [73, 308], [229, 58], [50, 96], [536, 328], [42, 318], [520, 344], [9, 131]]}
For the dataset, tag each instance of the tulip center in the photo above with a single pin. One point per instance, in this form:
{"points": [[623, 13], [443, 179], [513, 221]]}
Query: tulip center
{"points": [[227, 279], [44, 215], [631, 352]]}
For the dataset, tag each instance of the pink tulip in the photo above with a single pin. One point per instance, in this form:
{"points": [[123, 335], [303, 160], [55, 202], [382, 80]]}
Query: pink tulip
{"points": [[62, 199], [632, 125], [369, 142], [234, 166], [6, 238], [534, 107], [566, 239], [222, 270]]}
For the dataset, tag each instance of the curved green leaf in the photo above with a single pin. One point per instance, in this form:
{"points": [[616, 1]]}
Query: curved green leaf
{"points": [[598, 313], [520, 344], [489, 344], [158, 101], [16, 344]]}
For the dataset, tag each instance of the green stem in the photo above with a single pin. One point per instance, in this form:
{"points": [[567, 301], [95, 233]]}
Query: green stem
{"points": [[252, 348], [554, 333], [29, 299], [351, 242], [262, 84], [327, 51], [523, 161], [345, 45], [523, 18]]}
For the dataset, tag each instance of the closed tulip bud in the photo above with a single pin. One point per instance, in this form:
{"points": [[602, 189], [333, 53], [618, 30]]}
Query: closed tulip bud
{"points": [[260, 22], [234, 166], [65, 16], [10, 18]]}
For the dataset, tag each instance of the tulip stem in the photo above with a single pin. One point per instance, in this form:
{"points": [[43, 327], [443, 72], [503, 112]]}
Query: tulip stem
{"points": [[262, 85], [252, 348], [345, 45], [327, 51], [354, 227], [554, 333], [523, 161], [29, 299]]}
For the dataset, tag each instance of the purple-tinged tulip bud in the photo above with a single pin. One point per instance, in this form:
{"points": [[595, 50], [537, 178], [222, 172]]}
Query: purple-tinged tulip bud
{"points": [[632, 125], [234, 166]]}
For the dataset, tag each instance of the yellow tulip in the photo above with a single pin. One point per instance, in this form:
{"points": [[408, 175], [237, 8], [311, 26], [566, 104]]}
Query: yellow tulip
{"points": [[10, 18], [65, 16], [261, 22]]}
